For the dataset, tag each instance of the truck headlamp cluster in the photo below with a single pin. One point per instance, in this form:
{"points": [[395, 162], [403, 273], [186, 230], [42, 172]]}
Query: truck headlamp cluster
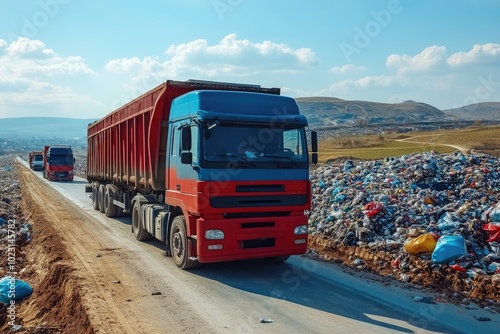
{"points": [[301, 229], [214, 234]]}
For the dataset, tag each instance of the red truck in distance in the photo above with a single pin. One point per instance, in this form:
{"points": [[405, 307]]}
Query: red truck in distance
{"points": [[58, 163], [217, 171], [35, 159]]}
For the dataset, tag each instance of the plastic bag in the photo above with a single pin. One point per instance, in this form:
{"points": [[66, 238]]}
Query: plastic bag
{"points": [[13, 289], [494, 213], [449, 248], [424, 243], [372, 208], [493, 231]]}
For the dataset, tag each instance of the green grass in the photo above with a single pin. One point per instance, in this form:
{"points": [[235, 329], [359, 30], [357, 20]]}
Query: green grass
{"points": [[371, 147], [385, 150]]}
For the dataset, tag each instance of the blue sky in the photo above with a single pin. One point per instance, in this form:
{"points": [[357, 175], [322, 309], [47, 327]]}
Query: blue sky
{"points": [[83, 59]]}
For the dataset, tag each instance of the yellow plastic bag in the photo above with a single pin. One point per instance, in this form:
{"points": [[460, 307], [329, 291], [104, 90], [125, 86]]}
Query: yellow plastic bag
{"points": [[424, 243]]}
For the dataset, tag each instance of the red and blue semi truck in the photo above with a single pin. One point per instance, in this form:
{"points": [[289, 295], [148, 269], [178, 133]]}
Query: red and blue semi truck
{"points": [[217, 171], [58, 163]]}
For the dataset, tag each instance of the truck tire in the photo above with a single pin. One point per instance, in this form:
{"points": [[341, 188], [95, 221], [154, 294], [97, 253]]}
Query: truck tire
{"points": [[95, 195], [278, 259], [179, 244], [139, 231], [100, 197], [110, 209]]}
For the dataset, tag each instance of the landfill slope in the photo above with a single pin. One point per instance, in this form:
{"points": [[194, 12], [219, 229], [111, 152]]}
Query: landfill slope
{"points": [[367, 214], [42, 261]]}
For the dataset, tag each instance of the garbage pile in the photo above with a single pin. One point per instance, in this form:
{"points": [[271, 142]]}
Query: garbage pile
{"points": [[15, 233], [440, 209]]}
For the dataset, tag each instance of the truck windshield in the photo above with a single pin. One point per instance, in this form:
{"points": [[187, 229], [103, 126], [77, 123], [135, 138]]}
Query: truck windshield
{"points": [[38, 157], [61, 160], [226, 142]]}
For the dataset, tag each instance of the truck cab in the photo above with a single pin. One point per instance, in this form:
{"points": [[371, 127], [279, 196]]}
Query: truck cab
{"points": [[239, 162], [58, 162], [36, 160]]}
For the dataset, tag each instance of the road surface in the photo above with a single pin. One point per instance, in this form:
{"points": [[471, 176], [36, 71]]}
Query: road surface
{"points": [[132, 287]]}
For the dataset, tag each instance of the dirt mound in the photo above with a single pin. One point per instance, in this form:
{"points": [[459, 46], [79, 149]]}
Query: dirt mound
{"points": [[452, 285], [55, 305]]}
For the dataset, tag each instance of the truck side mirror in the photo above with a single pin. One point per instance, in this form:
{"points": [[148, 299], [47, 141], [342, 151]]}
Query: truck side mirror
{"points": [[314, 158], [314, 141], [314, 147]]}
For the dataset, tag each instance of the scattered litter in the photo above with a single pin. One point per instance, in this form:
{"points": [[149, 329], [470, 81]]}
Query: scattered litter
{"points": [[424, 243], [16, 328], [449, 248], [427, 300], [266, 321], [13, 289]]}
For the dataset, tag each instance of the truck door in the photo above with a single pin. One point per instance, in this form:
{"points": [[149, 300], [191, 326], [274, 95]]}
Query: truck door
{"points": [[173, 158]]}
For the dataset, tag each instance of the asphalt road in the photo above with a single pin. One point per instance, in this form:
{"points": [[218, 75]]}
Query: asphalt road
{"points": [[298, 296]]}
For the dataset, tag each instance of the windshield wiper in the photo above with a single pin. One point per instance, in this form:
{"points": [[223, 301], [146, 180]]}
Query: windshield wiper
{"points": [[281, 157], [243, 159]]}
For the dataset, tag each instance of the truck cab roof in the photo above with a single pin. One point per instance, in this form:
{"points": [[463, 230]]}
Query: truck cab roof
{"points": [[235, 105]]}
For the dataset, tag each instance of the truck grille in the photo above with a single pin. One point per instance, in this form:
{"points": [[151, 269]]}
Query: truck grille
{"points": [[258, 243], [257, 201]]}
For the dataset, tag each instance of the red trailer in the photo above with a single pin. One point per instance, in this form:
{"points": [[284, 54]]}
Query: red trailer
{"points": [[158, 157]]}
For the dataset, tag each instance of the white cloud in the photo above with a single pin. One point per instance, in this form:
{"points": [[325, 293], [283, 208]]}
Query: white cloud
{"points": [[347, 69], [26, 58], [231, 57], [32, 79], [426, 60], [3, 43], [25, 45], [476, 54]]}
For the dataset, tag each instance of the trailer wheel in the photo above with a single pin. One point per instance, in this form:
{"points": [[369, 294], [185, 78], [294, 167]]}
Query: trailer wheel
{"points": [[139, 231], [110, 209], [100, 197], [95, 196], [179, 244]]}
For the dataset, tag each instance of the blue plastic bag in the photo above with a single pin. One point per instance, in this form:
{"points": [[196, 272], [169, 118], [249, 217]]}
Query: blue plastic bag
{"points": [[13, 289], [449, 248]]}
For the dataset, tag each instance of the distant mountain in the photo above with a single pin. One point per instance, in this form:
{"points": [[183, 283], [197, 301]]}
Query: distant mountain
{"points": [[477, 111], [324, 111], [43, 127]]}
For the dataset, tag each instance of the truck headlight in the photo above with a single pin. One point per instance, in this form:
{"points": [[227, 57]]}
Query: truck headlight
{"points": [[214, 234], [301, 229]]}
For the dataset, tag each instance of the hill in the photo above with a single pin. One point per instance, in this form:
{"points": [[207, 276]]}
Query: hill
{"points": [[44, 127], [324, 111], [477, 111]]}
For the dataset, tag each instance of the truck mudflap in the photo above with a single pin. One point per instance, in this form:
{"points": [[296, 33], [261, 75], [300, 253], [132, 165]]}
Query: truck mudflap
{"points": [[250, 238]]}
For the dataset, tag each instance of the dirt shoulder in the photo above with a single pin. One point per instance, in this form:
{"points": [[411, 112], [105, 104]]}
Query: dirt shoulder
{"points": [[73, 271]]}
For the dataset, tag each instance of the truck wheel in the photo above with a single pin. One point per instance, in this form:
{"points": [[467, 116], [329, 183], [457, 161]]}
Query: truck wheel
{"points": [[110, 209], [100, 197], [277, 259], [179, 244], [139, 231], [95, 196]]}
